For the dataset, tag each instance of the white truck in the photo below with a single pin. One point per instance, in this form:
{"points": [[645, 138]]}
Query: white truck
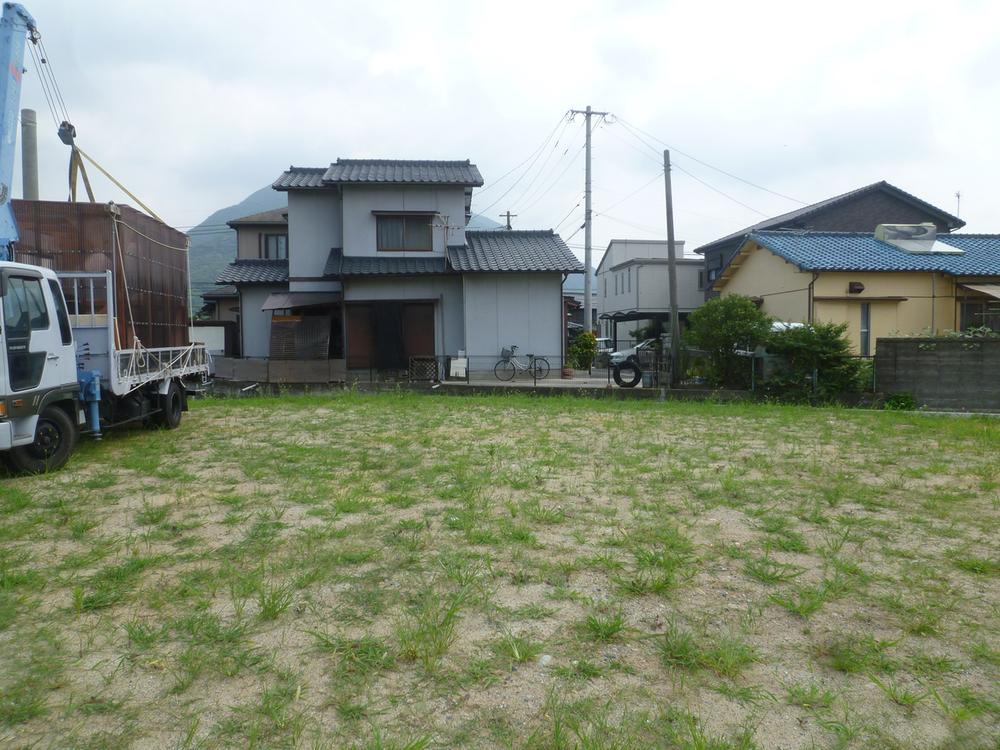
{"points": [[63, 373]]}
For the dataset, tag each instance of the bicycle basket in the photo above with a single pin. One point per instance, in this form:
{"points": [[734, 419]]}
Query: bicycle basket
{"points": [[505, 354]]}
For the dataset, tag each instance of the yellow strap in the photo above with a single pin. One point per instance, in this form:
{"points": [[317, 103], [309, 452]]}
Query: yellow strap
{"points": [[123, 188]]}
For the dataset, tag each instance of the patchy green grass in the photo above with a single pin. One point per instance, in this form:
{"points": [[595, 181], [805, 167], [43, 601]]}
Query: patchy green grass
{"points": [[406, 571]]}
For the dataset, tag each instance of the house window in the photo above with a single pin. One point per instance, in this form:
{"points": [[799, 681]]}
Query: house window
{"points": [[399, 233], [866, 325], [274, 246], [630, 279], [605, 287]]}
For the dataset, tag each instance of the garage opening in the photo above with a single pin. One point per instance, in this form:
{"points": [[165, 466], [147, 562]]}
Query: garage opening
{"points": [[385, 335]]}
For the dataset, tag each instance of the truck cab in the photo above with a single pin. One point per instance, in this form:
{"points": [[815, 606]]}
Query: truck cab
{"points": [[39, 418]]}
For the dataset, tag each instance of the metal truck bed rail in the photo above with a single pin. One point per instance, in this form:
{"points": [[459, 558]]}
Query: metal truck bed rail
{"points": [[136, 367]]}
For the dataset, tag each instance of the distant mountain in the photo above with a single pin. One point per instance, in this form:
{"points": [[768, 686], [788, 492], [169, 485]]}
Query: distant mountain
{"points": [[481, 223], [213, 244]]}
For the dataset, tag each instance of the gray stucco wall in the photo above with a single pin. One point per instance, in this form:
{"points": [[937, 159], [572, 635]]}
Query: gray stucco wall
{"points": [[359, 222], [314, 226], [504, 309], [445, 291], [256, 324]]}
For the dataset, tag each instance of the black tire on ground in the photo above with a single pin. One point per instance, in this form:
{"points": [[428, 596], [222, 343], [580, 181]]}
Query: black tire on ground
{"points": [[171, 406], [621, 374], [55, 440], [541, 367], [504, 370]]}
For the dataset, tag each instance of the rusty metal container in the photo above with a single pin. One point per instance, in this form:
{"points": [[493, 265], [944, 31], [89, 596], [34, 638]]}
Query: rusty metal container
{"points": [[149, 261]]}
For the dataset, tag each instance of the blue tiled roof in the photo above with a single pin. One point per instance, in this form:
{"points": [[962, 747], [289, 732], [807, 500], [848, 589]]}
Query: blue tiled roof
{"points": [[860, 251]]}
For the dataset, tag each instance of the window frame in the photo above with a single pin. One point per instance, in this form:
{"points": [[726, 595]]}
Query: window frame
{"points": [[404, 218], [865, 329], [263, 238], [62, 313]]}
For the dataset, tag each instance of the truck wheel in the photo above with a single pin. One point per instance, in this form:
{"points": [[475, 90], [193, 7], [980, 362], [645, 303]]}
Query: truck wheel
{"points": [[55, 440], [171, 407], [621, 373]]}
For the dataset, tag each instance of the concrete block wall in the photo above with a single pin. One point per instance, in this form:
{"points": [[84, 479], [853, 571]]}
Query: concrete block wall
{"points": [[953, 374]]}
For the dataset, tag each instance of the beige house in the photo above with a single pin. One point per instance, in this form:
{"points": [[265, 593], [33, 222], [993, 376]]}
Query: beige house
{"points": [[899, 280], [262, 236]]}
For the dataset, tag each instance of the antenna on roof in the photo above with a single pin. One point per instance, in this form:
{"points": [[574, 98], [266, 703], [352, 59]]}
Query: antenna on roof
{"points": [[958, 203]]}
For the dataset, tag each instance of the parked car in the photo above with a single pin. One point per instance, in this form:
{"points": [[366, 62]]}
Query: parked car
{"points": [[631, 353]]}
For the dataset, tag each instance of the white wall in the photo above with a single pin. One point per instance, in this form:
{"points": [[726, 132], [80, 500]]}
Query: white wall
{"points": [[256, 323], [213, 337], [445, 291], [359, 222], [314, 227], [644, 285], [504, 309]]}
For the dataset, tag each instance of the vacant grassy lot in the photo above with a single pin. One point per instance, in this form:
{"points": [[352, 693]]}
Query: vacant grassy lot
{"points": [[400, 571]]}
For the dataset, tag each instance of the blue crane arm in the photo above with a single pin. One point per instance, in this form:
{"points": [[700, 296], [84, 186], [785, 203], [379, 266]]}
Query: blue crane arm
{"points": [[15, 24]]}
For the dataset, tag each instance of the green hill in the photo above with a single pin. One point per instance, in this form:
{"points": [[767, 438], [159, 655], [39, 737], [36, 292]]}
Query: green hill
{"points": [[213, 244]]}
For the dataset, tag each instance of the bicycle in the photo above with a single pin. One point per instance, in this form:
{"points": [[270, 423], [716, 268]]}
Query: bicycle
{"points": [[508, 365]]}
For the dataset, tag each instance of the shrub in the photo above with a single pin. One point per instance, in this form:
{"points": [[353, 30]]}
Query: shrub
{"points": [[819, 350], [900, 402], [722, 327], [583, 350]]}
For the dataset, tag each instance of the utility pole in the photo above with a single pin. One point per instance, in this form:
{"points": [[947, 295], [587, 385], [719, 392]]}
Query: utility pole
{"points": [[958, 203], [588, 302], [675, 323], [509, 216]]}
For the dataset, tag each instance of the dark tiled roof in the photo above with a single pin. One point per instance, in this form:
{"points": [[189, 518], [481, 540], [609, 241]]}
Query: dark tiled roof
{"points": [[220, 292], [504, 251], [338, 265], [805, 212], [300, 177], [381, 171], [860, 251], [254, 271], [274, 216], [397, 171]]}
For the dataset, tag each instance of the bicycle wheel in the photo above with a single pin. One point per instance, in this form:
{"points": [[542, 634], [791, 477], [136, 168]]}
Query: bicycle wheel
{"points": [[504, 370], [541, 367]]}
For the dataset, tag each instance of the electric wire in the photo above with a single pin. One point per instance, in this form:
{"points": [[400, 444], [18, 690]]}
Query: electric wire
{"points": [[635, 192], [502, 177], [724, 195], [541, 170], [555, 182], [629, 125]]}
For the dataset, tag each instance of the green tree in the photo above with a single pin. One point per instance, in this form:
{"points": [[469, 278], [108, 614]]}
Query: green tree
{"points": [[722, 327], [817, 351], [583, 350]]}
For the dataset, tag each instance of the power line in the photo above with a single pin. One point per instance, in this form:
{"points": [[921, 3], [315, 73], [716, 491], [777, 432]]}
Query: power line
{"points": [[720, 192], [502, 177], [524, 174], [541, 169], [629, 126], [636, 191], [545, 188]]}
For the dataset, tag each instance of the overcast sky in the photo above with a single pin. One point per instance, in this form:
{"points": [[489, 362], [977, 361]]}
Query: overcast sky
{"points": [[193, 105]]}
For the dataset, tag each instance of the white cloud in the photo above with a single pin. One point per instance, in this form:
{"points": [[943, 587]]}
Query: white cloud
{"points": [[194, 105]]}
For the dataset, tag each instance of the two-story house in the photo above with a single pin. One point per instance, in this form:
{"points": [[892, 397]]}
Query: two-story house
{"points": [[859, 210], [378, 268], [633, 286]]}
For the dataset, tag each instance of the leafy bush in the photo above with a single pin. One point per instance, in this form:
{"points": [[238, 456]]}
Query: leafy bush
{"points": [[820, 351], [583, 350], [722, 327], [900, 402]]}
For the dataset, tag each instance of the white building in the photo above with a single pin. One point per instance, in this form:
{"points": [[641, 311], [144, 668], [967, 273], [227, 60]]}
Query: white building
{"points": [[633, 288], [380, 269]]}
